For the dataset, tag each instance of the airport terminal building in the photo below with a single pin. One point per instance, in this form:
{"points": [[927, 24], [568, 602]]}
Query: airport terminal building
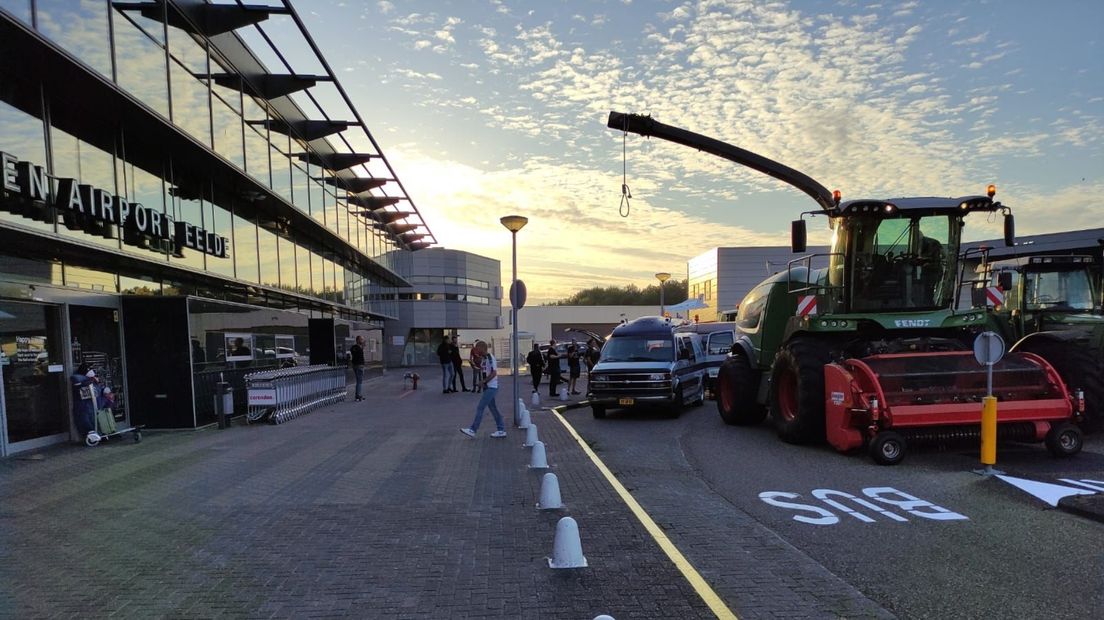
{"points": [[177, 175]]}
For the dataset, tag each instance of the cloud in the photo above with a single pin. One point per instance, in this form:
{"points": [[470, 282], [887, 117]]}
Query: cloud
{"points": [[385, 7]]}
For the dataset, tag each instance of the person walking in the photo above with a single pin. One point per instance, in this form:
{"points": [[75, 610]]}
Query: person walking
{"points": [[444, 353], [593, 353], [476, 362], [457, 366], [553, 368], [356, 360], [490, 389], [536, 366], [573, 367]]}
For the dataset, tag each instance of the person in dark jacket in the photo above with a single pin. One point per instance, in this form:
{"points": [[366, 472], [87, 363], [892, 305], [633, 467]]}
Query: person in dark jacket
{"points": [[553, 368], [536, 365], [444, 353], [356, 359], [573, 367], [457, 367], [86, 398]]}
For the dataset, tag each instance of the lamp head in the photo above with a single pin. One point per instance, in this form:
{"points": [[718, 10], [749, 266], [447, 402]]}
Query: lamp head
{"points": [[514, 223], [663, 276]]}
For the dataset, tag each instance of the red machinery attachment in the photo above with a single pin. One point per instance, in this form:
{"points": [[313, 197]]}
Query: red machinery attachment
{"points": [[882, 399]]}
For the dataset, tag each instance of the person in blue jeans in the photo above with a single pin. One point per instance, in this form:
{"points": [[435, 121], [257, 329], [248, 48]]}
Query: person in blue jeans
{"points": [[448, 371], [86, 398], [490, 389], [356, 359]]}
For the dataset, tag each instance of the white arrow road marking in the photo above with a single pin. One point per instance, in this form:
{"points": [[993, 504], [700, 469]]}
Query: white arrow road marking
{"points": [[1046, 491], [1096, 485]]}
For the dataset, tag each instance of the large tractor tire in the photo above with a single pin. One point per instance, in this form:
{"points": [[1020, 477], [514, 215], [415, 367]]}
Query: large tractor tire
{"points": [[735, 392], [1080, 366], [797, 391]]}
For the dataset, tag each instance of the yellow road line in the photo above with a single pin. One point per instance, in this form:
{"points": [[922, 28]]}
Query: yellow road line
{"points": [[696, 580]]}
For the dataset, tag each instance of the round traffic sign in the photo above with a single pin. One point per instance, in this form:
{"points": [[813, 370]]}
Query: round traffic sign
{"points": [[988, 348], [517, 295]]}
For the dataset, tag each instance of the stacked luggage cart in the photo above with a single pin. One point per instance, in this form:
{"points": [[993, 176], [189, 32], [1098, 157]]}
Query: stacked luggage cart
{"points": [[287, 393]]}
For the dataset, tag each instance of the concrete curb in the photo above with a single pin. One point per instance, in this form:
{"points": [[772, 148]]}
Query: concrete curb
{"points": [[1088, 506]]}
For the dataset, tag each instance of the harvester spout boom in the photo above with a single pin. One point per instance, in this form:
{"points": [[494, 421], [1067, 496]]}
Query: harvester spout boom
{"points": [[649, 127]]}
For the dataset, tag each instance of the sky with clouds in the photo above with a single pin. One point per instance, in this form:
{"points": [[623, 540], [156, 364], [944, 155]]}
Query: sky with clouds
{"points": [[487, 108]]}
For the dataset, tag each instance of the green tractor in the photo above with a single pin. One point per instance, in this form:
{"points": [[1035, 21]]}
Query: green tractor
{"points": [[1052, 306], [888, 298]]}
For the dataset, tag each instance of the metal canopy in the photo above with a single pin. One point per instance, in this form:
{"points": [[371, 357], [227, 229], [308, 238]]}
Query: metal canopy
{"points": [[373, 203], [267, 85], [202, 18], [356, 185], [335, 161], [308, 130], [401, 228], [388, 217]]}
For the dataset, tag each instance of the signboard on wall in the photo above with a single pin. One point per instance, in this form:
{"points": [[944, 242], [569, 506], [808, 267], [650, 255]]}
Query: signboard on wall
{"points": [[88, 203], [238, 347]]}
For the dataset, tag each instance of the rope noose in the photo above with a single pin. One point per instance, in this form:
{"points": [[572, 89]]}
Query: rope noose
{"points": [[625, 208]]}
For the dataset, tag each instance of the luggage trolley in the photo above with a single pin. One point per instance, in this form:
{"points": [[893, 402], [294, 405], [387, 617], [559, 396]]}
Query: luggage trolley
{"points": [[106, 368]]}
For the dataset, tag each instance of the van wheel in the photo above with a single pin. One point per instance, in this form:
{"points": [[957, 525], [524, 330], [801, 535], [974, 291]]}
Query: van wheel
{"points": [[599, 411], [676, 407]]}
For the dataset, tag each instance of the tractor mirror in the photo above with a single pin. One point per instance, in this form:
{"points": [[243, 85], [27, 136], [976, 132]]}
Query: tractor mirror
{"points": [[1009, 230], [797, 236], [1004, 280]]}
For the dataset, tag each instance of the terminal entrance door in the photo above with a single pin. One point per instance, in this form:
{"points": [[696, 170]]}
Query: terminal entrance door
{"points": [[94, 340], [33, 406]]}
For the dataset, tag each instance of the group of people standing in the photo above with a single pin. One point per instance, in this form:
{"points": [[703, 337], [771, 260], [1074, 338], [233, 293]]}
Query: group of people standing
{"points": [[541, 364], [452, 367]]}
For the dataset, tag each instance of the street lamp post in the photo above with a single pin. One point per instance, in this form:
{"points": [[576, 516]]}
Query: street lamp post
{"points": [[514, 223], [662, 276]]}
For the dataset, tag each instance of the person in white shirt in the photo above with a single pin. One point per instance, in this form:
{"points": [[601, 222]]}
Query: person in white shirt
{"points": [[490, 389]]}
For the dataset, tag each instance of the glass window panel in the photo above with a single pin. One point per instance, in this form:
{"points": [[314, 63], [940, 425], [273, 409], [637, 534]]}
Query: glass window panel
{"points": [[140, 65], [191, 103], [80, 27], [300, 184], [21, 9], [269, 260], [245, 249], [317, 196], [339, 283], [302, 270], [332, 220], [227, 132], [217, 220], [187, 51], [287, 263], [139, 286], [22, 136], [88, 165], [147, 189], [153, 28], [90, 279], [318, 286], [281, 166], [256, 155], [188, 210]]}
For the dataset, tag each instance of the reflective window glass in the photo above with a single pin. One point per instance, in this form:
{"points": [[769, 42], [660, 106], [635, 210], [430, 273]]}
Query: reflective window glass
{"points": [[153, 28], [318, 283], [22, 136], [227, 131], [139, 286], [140, 66], [333, 221], [245, 249], [339, 284], [281, 166], [300, 184], [256, 155], [302, 270], [269, 260], [187, 51], [217, 220], [191, 103], [21, 9], [80, 27], [93, 279], [318, 196], [186, 206], [287, 263], [145, 188], [87, 164]]}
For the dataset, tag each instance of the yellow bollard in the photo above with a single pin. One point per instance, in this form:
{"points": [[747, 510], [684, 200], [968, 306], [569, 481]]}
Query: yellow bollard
{"points": [[989, 430]]}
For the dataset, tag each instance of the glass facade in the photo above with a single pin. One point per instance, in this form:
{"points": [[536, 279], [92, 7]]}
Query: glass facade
{"points": [[137, 203]]}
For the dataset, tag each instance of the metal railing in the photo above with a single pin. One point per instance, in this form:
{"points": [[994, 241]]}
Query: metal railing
{"points": [[287, 393]]}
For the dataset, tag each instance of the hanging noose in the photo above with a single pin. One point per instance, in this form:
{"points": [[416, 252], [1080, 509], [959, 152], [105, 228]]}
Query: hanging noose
{"points": [[624, 208]]}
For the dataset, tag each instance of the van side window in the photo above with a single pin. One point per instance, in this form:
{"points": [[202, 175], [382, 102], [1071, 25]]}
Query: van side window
{"points": [[720, 343], [751, 308]]}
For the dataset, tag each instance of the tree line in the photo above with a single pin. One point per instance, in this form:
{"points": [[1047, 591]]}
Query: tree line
{"points": [[674, 291]]}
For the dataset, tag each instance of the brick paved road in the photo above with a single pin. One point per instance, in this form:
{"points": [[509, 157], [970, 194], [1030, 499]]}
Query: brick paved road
{"points": [[374, 509]]}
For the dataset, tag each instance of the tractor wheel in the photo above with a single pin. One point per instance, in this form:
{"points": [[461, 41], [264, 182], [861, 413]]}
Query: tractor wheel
{"points": [[797, 391], [735, 392], [599, 411], [1080, 366], [887, 448], [1064, 439]]}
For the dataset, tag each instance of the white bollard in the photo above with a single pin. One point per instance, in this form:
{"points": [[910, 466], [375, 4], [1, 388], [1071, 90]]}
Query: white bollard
{"points": [[524, 420], [550, 493], [563, 393], [521, 405], [538, 460], [604, 617], [530, 435], [567, 550], [535, 400]]}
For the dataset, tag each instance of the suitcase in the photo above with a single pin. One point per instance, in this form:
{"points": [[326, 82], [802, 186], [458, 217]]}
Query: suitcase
{"points": [[105, 422]]}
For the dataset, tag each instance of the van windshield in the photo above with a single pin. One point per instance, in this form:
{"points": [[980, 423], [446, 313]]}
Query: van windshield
{"points": [[638, 349]]}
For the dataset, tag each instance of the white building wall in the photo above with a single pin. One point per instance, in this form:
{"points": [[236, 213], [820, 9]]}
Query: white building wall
{"points": [[723, 276]]}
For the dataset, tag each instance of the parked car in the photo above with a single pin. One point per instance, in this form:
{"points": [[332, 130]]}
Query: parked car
{"points": [[717, 340]]}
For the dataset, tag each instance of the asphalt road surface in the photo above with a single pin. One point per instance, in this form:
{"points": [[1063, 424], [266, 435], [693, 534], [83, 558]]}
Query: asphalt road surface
{"points": [[927, 538]]}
